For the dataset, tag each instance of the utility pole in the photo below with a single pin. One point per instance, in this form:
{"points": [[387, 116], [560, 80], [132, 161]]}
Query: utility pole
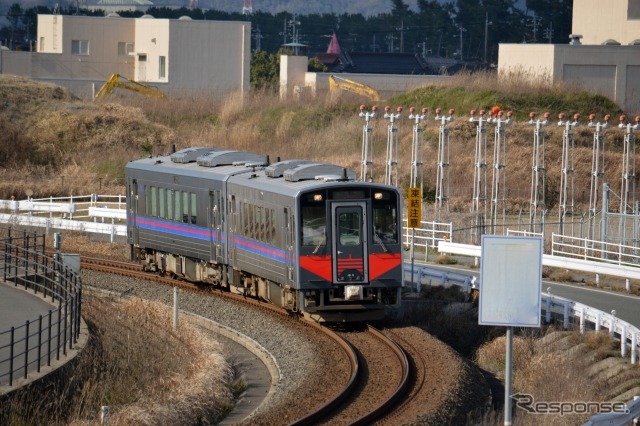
{"points": [[461, 31], [486, 31], [401, 29], [258, 37], [548, 32], [535, 21]]}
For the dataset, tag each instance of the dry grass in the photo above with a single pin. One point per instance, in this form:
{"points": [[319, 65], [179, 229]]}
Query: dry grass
{"points": [[91, 245], [138, 365], [71, 147], [552, 369]]}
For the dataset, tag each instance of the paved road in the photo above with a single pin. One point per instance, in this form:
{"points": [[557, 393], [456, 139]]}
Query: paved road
{"points": [[16, 307]]}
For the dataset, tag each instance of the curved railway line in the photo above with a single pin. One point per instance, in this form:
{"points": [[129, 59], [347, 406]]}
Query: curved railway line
{"points": [[382, 381], [376, 363]]}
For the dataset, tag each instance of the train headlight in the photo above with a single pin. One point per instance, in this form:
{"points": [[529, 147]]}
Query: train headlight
{"points": [[377, 195], [317, 197]]}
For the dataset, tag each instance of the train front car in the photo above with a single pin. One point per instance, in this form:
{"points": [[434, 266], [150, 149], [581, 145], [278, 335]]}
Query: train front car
{"points": [[350, 251]]}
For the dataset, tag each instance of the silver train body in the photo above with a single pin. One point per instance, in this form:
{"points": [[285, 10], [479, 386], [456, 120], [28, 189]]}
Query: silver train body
{"points": [[305, 236]]}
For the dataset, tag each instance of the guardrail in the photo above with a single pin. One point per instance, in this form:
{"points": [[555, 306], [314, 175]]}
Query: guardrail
{"points": [[37, 342]]}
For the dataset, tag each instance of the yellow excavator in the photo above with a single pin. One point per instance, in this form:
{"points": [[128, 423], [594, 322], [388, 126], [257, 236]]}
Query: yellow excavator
{"points": [[339, 83], [116, 80]]}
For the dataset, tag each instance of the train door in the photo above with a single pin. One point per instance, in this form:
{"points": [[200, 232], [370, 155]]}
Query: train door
{"points": [[233, 227], [349, 236], [289, 244], [132, 200], [215, 223]]}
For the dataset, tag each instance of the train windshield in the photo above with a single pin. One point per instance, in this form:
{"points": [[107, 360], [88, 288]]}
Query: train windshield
{"points": [[314, 221], [385, 217]]}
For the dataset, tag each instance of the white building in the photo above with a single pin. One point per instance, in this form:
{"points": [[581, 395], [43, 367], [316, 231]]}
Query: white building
{"points": [[180, 56], [604, 60]]}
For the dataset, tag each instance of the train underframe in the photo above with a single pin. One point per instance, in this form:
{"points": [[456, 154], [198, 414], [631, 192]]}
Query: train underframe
{"points": [[336, 304]]}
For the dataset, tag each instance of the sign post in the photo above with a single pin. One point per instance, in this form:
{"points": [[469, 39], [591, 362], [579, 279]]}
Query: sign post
{"points": [[414, 216], [511, 274]]}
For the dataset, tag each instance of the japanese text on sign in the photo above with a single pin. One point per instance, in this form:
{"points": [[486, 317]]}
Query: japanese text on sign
{"points": [[414, 213]]}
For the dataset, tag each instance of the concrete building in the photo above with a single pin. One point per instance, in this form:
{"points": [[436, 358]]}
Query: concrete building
{"points": [[604, 60], [181, 57], [607, 22]]}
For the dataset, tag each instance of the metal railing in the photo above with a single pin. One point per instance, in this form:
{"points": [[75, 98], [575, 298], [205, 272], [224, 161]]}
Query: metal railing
{"points": [[39, 341], [77, 207], [427, 235], [599, 251]]}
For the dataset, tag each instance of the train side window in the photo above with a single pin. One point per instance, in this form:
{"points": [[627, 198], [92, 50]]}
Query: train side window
{"points": [[185, 207], [275, 235], [251, 221], [154, 201], [170, 204], [161, 200], [259, 223], [194, 208], [176, 211], [147, 200], [246, 223], [267, 226]]}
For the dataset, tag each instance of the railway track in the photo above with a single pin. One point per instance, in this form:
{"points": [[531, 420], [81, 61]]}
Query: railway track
{"points": [[375, 382], [417, 380], [381, 381], [134, 270]]}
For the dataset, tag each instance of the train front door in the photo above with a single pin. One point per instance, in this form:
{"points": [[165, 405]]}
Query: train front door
{"points": [[349, 236]]}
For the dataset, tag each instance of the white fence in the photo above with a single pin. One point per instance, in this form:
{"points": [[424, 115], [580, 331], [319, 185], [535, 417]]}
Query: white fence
{"points": [[98, 214], [428, 235], [73, 207]]}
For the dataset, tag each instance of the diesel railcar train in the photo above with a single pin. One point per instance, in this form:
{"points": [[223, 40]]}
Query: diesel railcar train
{"points": [[302, 235]]}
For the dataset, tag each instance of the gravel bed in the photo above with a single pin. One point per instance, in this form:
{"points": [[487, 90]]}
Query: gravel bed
{"points": [[380, 372], [454, 391], [305, 357]]}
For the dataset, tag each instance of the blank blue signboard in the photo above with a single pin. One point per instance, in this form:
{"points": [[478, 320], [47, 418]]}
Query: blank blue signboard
{"points": [[511, 278]]}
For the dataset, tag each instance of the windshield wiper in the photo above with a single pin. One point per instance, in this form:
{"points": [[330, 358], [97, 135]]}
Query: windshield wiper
{"points": [[378, 240]]}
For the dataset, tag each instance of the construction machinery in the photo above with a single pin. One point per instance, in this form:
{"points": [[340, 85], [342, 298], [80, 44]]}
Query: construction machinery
{"points": [[116, 80], [339, 83]]}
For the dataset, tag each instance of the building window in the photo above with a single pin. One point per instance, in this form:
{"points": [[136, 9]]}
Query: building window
{"points": [[79, 47], [124, 48], [41, 46], [162, 72]]}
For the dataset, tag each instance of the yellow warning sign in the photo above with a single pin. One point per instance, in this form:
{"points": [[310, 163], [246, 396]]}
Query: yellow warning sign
{"points": [[414, 202]]}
